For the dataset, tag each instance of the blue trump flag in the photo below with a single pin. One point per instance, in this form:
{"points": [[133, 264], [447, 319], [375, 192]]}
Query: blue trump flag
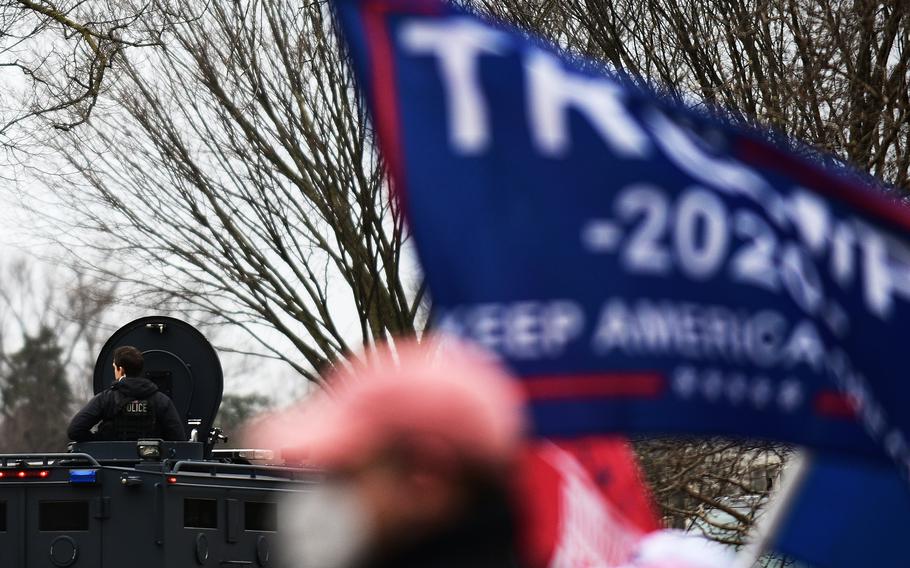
{"points": [[847, 514], [642, 267]]}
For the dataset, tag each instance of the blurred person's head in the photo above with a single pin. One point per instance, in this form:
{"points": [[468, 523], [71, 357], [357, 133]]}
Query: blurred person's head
{"points": [[411, 442]]}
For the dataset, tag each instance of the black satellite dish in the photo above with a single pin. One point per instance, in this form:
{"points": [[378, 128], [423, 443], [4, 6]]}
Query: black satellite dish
{"points": [[179, 359]]}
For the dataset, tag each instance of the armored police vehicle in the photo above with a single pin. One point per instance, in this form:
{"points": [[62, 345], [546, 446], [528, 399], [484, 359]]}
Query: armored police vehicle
{"points": [[147, 503]]}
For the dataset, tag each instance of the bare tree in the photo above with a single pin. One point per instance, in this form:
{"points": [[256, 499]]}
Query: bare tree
{"points": [[70, 303], [57, 56], [715, 487], [51, 322], [236, 175]]}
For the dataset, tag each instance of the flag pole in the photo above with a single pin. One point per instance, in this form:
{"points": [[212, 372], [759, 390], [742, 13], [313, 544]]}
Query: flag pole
{"points": [[769, 523]]}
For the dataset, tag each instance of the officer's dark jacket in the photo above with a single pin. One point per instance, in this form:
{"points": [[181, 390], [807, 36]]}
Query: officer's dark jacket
{"points": [[111, 407]]}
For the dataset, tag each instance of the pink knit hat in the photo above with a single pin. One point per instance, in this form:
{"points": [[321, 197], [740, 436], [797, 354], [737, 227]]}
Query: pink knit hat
{"points": [[441, 395]]}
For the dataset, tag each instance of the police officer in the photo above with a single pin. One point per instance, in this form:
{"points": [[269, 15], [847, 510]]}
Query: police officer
{"points": [[131, 409]]}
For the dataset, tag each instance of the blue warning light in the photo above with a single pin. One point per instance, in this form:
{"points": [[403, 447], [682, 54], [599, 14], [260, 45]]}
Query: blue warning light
{"points": [[83, 475]]}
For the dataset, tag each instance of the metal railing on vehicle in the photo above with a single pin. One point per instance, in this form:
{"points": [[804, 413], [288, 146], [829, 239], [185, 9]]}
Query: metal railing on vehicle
{"points": [[251, 471], [44, 459]]}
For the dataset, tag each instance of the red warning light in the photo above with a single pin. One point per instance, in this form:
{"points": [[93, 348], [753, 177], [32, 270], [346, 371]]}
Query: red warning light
{"points": [[43, 473], [21, 474], [2, 474], [172, 479]]}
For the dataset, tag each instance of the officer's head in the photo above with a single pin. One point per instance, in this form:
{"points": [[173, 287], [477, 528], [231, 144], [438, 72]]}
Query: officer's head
{"points": [[128, 362]]}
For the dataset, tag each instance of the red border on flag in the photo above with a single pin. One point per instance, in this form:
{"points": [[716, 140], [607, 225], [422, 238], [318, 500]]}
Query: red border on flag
{"points": [[383, 87], [834, 404], [606, 385]]}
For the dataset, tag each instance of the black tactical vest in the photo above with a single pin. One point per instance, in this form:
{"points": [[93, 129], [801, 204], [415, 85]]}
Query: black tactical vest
{"points": [[134, 419]]}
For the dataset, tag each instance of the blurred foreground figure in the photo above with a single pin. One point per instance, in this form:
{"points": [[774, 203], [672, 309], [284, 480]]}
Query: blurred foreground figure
{"points": [[418, 455], [426, 466]]}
